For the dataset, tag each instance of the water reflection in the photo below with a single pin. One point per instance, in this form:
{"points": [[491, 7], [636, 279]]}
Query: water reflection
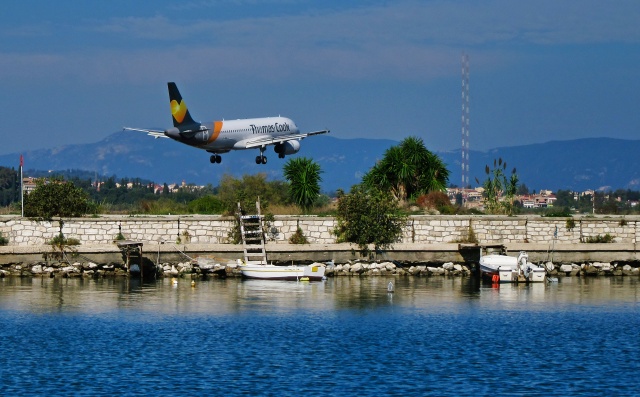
{"points": [[224, 297]]}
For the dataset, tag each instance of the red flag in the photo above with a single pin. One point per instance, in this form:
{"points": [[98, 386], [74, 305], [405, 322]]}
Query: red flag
{"points": [[21, 161]]}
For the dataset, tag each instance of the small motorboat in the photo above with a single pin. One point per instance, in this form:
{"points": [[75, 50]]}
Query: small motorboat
{"points": [[502, 268], [259, 270]]}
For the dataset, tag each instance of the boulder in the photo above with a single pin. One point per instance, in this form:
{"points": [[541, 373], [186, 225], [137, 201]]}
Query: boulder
{"points": [[37, 269], [356, 268], [448, 266], [390, 266], [591, 270], [566, 268], [70, 269]]}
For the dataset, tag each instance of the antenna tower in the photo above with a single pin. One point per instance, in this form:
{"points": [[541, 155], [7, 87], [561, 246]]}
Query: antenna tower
{"points": [[465, 120]]}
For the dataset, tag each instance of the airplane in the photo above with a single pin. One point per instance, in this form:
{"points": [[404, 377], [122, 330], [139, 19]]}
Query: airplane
{"points": [[221, 137]]}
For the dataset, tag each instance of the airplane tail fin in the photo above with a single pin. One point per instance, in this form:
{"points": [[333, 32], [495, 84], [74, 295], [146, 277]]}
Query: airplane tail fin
{"points": [[179, 111]]}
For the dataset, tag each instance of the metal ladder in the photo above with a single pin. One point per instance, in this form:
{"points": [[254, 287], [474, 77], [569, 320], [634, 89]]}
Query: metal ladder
{"points": [[252, 236]]}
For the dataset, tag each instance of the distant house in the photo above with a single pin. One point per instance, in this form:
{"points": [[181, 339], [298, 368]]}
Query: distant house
{"points": [[29, 184]]}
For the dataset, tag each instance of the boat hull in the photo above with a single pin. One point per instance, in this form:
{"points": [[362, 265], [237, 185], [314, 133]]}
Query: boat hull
{"points": [[292, 272]]}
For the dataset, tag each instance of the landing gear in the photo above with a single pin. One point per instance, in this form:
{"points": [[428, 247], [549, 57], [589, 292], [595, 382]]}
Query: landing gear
{"points": [[261, 159], [215, 159]]}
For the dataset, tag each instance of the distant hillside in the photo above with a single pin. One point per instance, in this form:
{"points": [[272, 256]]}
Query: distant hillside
{"points": [[578, 164], [130, 154], [581, 164]]}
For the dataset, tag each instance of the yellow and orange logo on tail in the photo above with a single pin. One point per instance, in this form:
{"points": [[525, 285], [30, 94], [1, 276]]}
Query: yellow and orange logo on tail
{"points": [[178, 110]]}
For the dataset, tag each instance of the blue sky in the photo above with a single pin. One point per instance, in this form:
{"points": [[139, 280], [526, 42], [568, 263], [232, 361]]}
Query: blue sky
{"points": [[77, 71]]}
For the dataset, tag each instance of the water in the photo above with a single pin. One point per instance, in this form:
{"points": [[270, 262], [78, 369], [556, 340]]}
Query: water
{"points": [[342, 337]]}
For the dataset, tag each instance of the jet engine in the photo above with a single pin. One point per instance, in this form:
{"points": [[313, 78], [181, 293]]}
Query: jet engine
{"points": [[288, 147]]}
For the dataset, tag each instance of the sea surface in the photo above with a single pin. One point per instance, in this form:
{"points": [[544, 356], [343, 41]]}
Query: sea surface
{"points": [[343, 337]]}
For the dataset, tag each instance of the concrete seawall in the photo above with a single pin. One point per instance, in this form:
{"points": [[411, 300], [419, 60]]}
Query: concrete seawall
{"points": [[425, 229], [427, 239], [339, 253]]}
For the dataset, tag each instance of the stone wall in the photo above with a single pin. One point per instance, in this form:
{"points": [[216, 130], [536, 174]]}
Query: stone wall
{"points": [[319, 230]]}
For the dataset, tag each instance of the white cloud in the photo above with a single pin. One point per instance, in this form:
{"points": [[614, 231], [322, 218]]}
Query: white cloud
{"points": [[406, 40]]}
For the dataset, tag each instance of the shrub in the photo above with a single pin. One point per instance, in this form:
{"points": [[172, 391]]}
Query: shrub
{"points": [[298, 237], [434, 200], [369, 216], [206, 205], [60, 241], [56, 198], [560, 212], [3, 240], [570, 224], [607, 238]]}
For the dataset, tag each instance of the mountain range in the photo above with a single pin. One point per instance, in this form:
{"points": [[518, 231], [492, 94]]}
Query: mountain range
{"points": [[581, 164]]}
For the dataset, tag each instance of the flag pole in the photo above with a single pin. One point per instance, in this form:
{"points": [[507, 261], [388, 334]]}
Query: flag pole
{"points": [[21, 186]]}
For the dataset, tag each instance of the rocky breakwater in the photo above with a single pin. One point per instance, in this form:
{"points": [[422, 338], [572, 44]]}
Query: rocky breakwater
{"points": [[115, 269], [592, 269], [358, 268], [63, 269], [204, 268]]}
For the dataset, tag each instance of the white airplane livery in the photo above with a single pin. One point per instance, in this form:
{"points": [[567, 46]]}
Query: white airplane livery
{"points": [[220, 137]]}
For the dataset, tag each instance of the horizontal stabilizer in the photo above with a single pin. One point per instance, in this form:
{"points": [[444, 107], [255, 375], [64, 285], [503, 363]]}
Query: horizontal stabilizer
{"points": [[153, 133]]}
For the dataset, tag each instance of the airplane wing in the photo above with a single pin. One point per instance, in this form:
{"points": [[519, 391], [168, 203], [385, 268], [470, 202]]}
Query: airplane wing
{"points": [[153, 133], [272, 140]]}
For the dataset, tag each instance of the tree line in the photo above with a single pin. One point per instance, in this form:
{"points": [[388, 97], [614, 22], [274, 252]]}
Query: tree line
{"points": [[371, 214]]}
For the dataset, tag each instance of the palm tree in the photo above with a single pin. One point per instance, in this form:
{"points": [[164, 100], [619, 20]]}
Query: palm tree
{"points": [[408, 170], [304, 179]]}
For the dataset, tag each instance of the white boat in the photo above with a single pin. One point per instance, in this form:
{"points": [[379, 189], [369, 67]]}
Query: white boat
{"points": [[253, 244], [508, 269], [259, 270]]}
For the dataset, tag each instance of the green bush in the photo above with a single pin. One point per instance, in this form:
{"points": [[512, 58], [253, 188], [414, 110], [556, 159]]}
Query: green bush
{"points": [[607, 238], [57, 198], [570, 224], [206, 205], [369, 216], [560, 212], [298, 237], [61, 241], [3, 240]]}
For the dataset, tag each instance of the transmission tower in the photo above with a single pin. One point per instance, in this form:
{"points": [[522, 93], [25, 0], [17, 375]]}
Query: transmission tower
{"points": [[465, 120]]}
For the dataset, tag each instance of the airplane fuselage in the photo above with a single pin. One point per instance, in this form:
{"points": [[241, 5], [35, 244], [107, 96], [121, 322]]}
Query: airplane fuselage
{"points": [[226, 135]]}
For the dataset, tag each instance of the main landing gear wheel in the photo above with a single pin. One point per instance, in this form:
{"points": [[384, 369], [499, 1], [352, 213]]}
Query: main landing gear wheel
{"points": [[215, 159], [261, 159]]}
